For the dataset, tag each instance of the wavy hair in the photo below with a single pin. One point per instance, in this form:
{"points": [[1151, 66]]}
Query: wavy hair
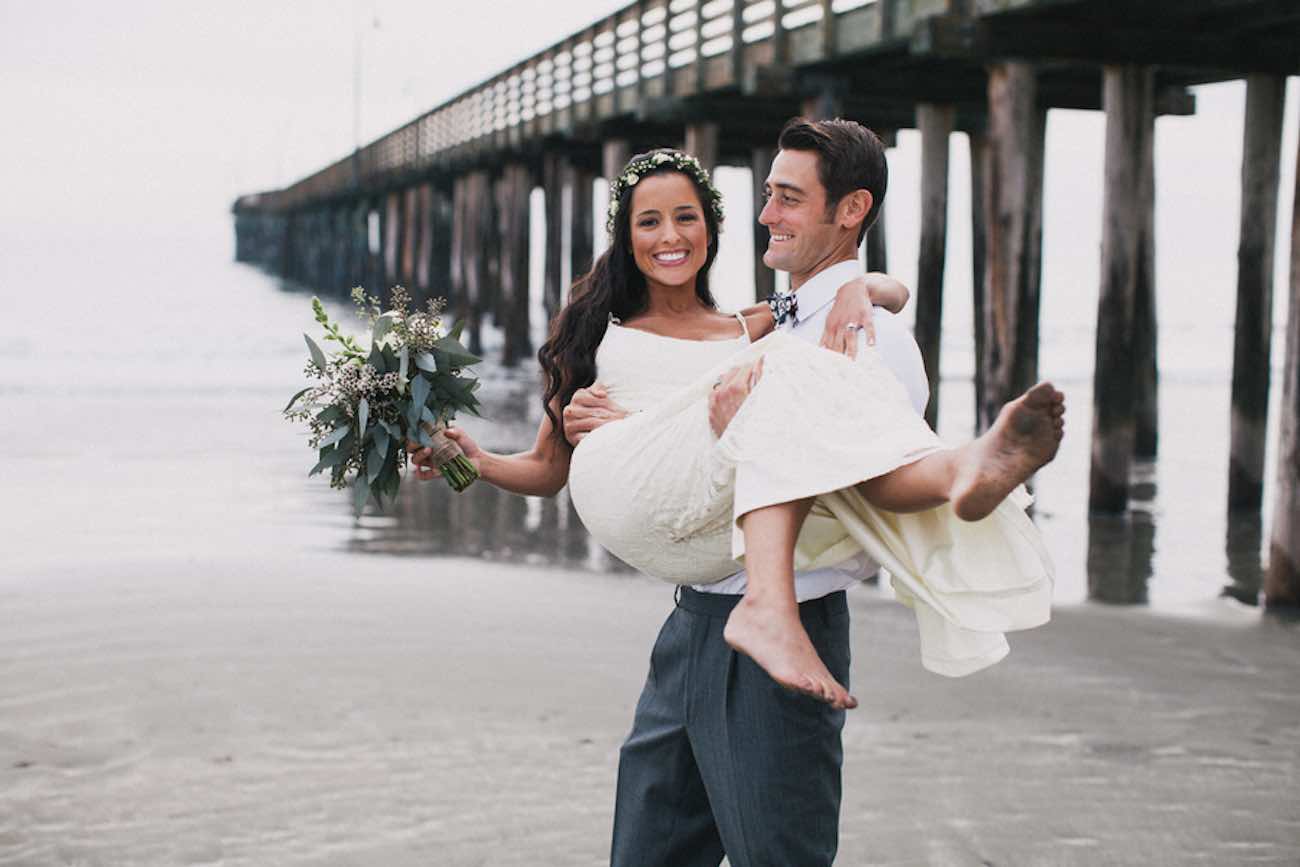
{"points": [[613, 287]]}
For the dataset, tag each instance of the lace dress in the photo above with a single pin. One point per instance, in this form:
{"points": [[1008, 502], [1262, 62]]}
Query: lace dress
{"points": [[661, 493]]}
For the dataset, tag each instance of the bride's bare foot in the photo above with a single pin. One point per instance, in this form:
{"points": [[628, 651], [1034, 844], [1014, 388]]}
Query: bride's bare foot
{"points": [[1024, 437], [773, 637]]}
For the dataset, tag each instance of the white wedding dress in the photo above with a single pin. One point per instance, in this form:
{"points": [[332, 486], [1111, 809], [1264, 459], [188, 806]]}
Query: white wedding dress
{"points": [[661, 493]]}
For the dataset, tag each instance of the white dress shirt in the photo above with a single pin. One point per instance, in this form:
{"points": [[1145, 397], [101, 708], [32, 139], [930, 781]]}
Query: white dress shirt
{"points": [[898, 350]]}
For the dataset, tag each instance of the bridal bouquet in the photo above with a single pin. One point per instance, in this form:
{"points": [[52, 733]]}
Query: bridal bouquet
{"points": [[368, 402]]}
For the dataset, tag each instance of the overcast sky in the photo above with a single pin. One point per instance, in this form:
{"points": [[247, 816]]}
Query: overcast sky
{"points": [[151, 116]]}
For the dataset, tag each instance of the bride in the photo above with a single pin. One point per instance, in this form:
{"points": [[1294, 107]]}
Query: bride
{"points": [[659, 491]]}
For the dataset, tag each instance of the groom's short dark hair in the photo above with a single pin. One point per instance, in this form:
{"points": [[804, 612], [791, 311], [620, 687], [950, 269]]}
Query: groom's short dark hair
{"points": [[849, 157]]}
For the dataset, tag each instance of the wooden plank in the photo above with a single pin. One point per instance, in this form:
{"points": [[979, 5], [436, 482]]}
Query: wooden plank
{"points": [[1260, 167], [1129, 122], [936, 125], [764, 277], [1282, 582], [1014, 221]]}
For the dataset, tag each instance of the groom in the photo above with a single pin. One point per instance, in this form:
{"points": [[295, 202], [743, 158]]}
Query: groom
{"points": [[720, 758]]}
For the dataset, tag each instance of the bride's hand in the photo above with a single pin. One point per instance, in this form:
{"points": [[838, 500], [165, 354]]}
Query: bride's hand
{"points": [[852, 311], [589, 409], [422, 456], [850, 314]]}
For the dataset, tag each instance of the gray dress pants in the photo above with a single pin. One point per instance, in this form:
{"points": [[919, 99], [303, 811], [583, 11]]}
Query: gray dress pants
{"points": [[722, 760]]}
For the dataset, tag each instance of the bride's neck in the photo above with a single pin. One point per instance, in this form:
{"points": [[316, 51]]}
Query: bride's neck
{"points": [[673, 300]]}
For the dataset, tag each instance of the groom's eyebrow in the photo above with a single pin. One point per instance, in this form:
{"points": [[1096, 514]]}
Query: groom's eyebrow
{"points": [[786, 188]]}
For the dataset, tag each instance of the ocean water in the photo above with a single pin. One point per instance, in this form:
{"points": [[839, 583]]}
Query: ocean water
{"points": [[143, 386]]}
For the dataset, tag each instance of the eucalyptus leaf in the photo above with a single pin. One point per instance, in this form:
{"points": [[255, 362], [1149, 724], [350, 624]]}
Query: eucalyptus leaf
{"points": [[381, 438], [294, 399], [420, 387], [459, 355], [360, 493], [456, 330], [403, 364], [331, 414], [376, 360], [317, 357], [363, 416], [336, 435], [375, 457], [426, 362], [383, 325]]}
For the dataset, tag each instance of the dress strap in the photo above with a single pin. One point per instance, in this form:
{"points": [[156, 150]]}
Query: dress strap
{"points": [[745, 326]]}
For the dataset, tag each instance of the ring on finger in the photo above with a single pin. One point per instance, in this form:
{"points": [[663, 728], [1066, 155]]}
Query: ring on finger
{"points": [[853, 326], [717, 382]]}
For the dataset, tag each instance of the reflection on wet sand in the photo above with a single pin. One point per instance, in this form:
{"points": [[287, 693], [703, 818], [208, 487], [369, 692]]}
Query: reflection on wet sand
{"points": [[1121, 547], [1245, 565]]}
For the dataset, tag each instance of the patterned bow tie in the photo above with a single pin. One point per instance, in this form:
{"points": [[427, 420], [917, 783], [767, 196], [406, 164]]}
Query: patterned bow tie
{"points": [[784, 307]]}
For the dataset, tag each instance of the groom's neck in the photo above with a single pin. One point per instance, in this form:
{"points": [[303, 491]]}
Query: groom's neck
{"points": [[833, 257]]}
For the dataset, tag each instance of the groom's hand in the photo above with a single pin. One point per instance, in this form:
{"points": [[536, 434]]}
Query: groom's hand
{"points": [[730, 392], [589, 409]]}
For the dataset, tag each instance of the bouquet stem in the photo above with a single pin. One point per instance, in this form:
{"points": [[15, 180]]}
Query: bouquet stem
{"points": [[450, 459]]}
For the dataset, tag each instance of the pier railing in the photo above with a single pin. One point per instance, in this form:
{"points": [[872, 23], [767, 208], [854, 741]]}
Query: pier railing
{"points": [[649, 49]]}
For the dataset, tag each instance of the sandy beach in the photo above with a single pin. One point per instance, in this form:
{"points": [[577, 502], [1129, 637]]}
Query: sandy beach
{"points": [[338, 709], [204, 662]]}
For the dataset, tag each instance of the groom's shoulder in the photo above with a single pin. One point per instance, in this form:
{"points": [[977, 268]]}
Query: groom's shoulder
{"points": [[899, 352]]}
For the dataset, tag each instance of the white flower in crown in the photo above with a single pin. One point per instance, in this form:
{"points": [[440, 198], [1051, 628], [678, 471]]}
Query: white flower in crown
{"points": [[661, 158], [631, 178]]}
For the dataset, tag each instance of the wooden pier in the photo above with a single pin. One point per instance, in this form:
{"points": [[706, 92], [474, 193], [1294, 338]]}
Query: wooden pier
{"points": [[441, 204]]}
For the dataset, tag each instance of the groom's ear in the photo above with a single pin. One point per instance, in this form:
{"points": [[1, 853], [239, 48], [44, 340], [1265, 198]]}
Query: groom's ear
{"points": [[853, 208]]}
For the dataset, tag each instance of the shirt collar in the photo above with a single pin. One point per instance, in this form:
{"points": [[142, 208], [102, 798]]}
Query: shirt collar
{"points": [[820, 289]]}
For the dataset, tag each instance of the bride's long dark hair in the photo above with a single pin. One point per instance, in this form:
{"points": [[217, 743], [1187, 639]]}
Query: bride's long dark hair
{"points": [[614, 286]]}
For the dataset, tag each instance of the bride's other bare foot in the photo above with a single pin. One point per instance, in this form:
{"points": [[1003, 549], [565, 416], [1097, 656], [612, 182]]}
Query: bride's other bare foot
{"points": [[772, 636], [1024, 437]]}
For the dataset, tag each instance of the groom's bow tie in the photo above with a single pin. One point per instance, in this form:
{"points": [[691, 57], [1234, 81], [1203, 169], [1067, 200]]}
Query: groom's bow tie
{"points": [[783, 307]]}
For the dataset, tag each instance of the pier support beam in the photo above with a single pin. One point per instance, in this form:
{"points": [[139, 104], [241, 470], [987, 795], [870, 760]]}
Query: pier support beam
{"points": [[936, 124], [1260, 164], [553, 173], [1014, 220], [513, 190], [392, 240], [979, 147], [876, 253], [1282, 582], [764, 277], [614, 154], [702, 142], [424, 244], [1128, 97], [440, 216], [410, 236], [581, 239]]}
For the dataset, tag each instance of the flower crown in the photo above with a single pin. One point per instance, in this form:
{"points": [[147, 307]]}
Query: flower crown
{"points": [[639, 168]]}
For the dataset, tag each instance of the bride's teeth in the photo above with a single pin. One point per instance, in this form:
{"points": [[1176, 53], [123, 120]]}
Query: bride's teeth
{"points": [[671, 257]]}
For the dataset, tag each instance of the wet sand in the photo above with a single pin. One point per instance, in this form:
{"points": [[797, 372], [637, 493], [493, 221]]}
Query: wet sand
{"points": [[340, 709]]}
